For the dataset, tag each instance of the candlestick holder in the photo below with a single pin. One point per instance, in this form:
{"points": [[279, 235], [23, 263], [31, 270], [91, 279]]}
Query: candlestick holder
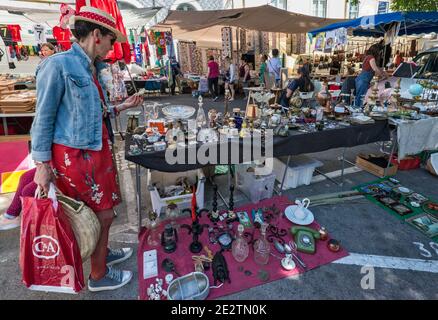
{"points": [[232, 216], [196, 230], [214, 214]]}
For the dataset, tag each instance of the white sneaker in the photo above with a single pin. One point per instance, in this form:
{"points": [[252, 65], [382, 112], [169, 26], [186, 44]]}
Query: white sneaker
{"points": [[8, 224]]}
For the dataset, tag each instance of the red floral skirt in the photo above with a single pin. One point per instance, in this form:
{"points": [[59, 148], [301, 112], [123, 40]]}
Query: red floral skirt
{"points": [[86, 175]]}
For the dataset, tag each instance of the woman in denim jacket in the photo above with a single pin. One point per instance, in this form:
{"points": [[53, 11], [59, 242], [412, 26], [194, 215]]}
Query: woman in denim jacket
{"points": [[70, 142]]}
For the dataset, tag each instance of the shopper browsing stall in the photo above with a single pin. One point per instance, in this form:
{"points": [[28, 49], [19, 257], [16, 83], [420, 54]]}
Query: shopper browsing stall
{"points": [[369, 68], [230, 76], [274, 66], [303, 83], [213, 78], [47, 49], [262, 71], [69, 136], [244, 74]]}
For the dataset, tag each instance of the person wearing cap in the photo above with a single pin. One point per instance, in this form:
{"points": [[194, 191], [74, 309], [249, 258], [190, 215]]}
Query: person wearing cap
{"points": [[70, 141]]}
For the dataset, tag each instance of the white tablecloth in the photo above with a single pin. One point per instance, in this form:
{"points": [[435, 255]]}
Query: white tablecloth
{"points": [[416, 136]]}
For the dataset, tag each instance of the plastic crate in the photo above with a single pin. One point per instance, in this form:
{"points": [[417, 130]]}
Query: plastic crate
{"points": [[256, 188], [300, 171], [165, 179]]}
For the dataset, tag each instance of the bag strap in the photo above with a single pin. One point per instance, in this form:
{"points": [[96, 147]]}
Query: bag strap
{"points": [[39, 194]]}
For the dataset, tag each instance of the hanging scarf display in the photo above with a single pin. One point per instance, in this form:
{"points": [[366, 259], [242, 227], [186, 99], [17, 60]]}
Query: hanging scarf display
{"points": [[184, 56], [265, 42], [227, 43], [242, 36], [197, 60], [169, 44]]}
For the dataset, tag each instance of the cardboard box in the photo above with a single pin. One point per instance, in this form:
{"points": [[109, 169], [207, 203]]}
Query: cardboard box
{"points": [[364, 162]]}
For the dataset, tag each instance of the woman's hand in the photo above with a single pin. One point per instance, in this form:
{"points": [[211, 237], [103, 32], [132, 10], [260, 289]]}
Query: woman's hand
{"points": [[131, 102], [43, 176]]}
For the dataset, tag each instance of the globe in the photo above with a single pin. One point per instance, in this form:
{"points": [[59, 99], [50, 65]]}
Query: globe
{"points": [[416, 90]]}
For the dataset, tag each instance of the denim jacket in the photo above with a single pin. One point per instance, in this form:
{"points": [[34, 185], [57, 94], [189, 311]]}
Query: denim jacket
{"points": [[68, 110]]}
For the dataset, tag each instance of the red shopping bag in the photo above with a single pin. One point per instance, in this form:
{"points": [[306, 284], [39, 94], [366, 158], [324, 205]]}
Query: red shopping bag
{"points": [[50, 259]]}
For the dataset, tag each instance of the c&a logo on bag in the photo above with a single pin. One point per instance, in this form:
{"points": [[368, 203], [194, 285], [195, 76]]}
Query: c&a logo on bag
{"points": [[45, 247]]}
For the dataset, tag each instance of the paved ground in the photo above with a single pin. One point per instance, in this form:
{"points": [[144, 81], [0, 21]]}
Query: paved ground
{"points": [[363, 229]]}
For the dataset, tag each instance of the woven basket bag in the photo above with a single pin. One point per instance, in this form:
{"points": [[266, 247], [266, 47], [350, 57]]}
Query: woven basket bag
{"points": [[84, 223]]}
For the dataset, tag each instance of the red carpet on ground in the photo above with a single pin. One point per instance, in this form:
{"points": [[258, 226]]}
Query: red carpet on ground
{"points": [[239, 281]]}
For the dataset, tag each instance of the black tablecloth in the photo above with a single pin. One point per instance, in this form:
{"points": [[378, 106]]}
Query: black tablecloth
{"points": [[296, 143]]}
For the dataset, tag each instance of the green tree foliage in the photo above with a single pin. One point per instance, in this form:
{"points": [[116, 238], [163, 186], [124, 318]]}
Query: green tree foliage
{"points": [[409, 5]]}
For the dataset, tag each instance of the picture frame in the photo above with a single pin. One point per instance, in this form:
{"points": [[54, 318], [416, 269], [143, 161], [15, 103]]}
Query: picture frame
{"points": [[401, 209], [387, 201], [426, 223], [244, 219]]}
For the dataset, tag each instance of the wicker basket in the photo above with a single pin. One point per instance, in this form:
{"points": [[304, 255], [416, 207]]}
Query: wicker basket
{"points": [[84, 223]]}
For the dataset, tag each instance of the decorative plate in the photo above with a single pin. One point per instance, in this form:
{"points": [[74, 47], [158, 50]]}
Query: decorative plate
{"points": [[178, 112]]}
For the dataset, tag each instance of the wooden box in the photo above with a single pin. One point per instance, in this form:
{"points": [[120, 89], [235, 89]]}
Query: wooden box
{"points": [[364, 162]]}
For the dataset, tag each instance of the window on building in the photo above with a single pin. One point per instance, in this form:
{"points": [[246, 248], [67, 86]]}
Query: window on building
{"points": [[353, 12], [186, 7], [319, 8], [280, 4]]}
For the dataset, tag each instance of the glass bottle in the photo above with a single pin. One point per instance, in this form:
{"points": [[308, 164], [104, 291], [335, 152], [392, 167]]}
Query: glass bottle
{"points": [[262, 249], [240, 248], [201, 119], [152, 223], [172, 213]]}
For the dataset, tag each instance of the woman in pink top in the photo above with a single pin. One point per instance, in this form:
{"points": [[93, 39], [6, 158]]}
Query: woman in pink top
{"points": [[213, 78]]}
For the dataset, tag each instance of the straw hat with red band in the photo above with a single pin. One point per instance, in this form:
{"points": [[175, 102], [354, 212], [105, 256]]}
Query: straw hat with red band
{"points": [[98, 17]]}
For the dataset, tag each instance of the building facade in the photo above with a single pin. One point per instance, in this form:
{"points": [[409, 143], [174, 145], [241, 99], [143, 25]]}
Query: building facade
{"points": [[335, 9]]}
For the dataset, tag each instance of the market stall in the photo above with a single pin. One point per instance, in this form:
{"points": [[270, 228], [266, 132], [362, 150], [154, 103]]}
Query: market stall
{"points": [[409, 96], [235, 33]]}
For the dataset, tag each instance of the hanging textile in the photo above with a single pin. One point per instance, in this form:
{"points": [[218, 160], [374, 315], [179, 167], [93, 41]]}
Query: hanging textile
{"points": [[131, 38], [227, 42], [160, 44], [39, 31], [184, 56], [15, 32], [250, 41], [319, 42], [242, 39], [66, 13], [146, 50], [118, 91], [62, 36], [265, 43], [121, 51], [169, 44], [6, 35], [191, 47], [138, 53], [197, 61]]}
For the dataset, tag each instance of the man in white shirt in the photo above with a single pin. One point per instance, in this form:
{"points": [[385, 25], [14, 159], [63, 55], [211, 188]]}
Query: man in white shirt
{"points": [[274, 66]]}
